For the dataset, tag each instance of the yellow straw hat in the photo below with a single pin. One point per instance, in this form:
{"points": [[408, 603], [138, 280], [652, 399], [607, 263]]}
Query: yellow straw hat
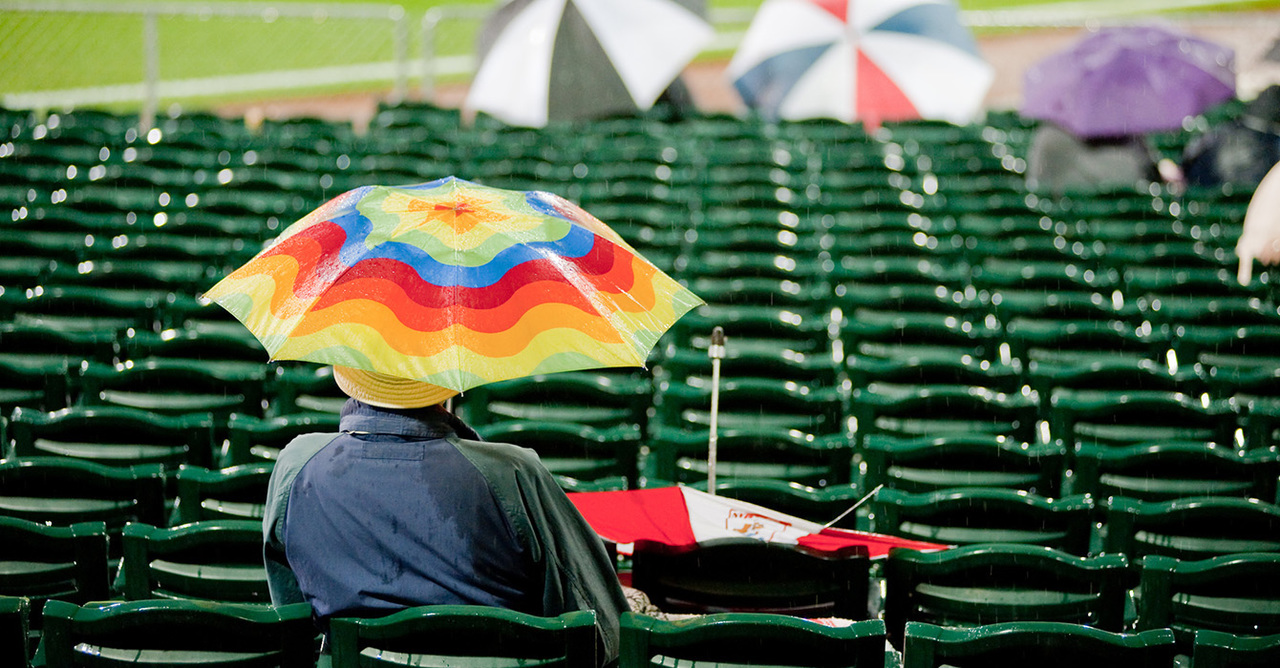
{"points": [[379, 389]]}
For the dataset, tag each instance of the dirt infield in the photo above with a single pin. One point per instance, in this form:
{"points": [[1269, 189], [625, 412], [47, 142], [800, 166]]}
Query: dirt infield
{"points": [[1253, 36]]}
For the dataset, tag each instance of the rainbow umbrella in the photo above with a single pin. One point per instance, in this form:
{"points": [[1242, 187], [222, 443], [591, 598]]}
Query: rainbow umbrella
{"points": [[454, 284]]}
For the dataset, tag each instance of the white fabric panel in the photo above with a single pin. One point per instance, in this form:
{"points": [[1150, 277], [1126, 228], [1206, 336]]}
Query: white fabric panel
{"points": [[827, 89], [648, 41], [512, 83], [941, 81], [718, 517], [780, 26]]}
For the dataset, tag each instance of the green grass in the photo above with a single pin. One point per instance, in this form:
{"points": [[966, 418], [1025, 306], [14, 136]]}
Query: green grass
{"points": [[59, 51]]}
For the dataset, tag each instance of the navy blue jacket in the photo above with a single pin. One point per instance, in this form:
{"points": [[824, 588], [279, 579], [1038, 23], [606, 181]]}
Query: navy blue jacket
{"points": [[409, 507]]}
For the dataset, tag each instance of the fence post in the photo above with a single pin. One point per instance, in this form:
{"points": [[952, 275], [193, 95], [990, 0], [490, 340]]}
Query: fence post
{"points": [[430, 20], [151, 75], [400, 41]]}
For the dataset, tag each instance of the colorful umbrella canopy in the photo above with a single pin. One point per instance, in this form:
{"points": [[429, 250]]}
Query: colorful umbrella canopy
{"points": [[1129, 80], [544, 60], [682, 516], [454, 284], [869, 60]]}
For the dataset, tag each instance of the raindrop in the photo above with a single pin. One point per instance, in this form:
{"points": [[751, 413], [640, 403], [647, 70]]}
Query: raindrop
{"points": [[71, 172], [224, 176], [160, 219], [251, 157], [192, 200], [130, 154], [154, 136]]}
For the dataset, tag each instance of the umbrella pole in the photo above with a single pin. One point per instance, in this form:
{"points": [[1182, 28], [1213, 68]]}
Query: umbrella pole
{"points": [[716, 352]]}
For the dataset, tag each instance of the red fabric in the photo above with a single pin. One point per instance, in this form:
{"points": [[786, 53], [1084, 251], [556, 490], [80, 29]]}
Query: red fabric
{"points": [[877, 544], [656, 514], [878, 98], [837, 8], [660, 514]]}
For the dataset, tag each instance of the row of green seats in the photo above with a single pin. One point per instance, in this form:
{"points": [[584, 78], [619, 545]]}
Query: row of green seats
{"points": [[967, 586], [93, 633]]}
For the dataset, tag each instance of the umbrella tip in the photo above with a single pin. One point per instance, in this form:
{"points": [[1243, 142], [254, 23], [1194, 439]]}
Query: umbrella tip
{"points": [[716, 350]]}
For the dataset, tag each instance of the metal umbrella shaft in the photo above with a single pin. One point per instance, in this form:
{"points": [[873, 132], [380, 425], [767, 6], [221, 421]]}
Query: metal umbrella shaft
{"points": [[716, 352]]}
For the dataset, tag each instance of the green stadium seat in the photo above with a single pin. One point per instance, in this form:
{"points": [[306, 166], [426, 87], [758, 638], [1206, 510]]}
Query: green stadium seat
{"points": [[748, 452], [188, 633], [1197, 527], [919, 335], [33, 382], [174, 386], [1081, 340], [1123, 417], [462, 635], [212, 560], [112, 435], [734, 640], [253, 440], [303, 388], [1042, 644], [957, 371], [15, 616], [571, 449], [61, 491], [1214, 649], [942, 410], [750, 575], [599, 399], [995, 583], [931, 464], [987, 515], [1168, 471], [42, 562], [1235, 594], [232, 493]]}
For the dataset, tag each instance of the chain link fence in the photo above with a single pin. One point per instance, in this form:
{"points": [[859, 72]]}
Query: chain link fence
{"points": [[122, 55], [67, 53]]}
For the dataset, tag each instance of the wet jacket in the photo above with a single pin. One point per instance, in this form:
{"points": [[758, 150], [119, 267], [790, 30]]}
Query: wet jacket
{"points": [[409, 507]]}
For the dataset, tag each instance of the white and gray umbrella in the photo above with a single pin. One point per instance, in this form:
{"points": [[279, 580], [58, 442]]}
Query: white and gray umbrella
{"points": [[545, 60]]}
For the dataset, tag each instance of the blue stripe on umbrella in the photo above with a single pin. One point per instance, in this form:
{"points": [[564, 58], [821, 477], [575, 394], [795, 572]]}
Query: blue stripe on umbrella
{"points": [[577, 242], [766, 85], [939, 22]]}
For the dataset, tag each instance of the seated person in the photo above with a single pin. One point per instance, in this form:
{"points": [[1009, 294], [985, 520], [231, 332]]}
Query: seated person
{"points": [[407, 506], [1058, 162], [1239, 151]]}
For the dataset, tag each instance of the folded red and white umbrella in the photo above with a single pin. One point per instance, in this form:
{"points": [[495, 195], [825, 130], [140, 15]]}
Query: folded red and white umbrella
{"points": [[686, 516]]}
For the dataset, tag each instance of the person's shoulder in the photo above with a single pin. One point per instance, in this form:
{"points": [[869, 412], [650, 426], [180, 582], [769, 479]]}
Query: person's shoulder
{"points": [[495, 450], [302, 448]]}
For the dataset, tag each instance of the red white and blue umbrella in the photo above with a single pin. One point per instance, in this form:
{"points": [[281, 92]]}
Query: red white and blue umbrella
{"points": [[868, 60]]}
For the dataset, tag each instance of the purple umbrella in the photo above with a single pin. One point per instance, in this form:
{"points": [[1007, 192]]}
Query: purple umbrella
{"points": [[1129, 80]]}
